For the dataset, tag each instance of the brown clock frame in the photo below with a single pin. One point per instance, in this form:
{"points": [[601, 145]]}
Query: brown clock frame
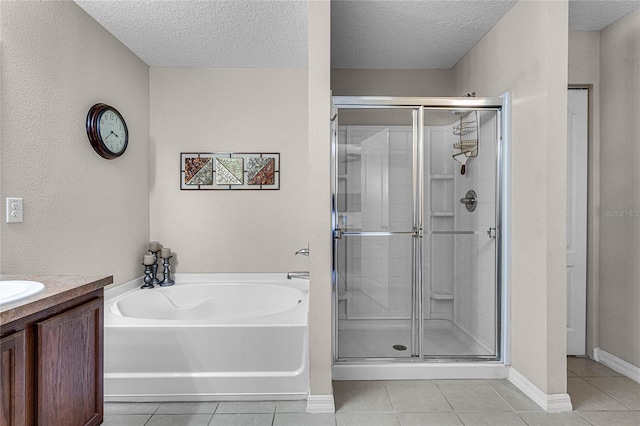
{"points": [[93, 131]]}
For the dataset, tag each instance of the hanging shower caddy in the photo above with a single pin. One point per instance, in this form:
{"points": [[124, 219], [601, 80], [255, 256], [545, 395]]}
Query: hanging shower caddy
{"points": [[468, 147]]}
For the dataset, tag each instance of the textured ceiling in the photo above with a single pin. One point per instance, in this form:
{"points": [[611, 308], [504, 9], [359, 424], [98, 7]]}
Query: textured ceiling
{"points": [[409, 34], [213, 33], [404, 34], [588, 15]]}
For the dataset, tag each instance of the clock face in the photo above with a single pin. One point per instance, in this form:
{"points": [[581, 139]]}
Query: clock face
{"points": [[112, 131], [107, 131]]}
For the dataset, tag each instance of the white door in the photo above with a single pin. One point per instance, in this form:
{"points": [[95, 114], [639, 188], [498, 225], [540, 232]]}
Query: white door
{"points": [[577, 123]]}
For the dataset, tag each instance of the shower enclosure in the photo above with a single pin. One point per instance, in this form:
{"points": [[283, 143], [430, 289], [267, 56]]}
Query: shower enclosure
{"points": [[417, 229]]}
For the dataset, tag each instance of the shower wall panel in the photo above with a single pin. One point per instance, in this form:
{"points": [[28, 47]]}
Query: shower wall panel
{"points": [[439, 250]]}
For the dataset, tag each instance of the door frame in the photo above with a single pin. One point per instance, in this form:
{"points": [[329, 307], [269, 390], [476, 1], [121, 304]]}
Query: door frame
{"points": [[593, 216], [577, 190]]}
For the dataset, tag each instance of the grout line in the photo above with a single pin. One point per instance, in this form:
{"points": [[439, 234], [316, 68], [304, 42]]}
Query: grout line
{"points": [[523, 420], [458, 416], [609, 395], [394, 413], [435, 382], [501, 397], [583, 418], [393, 407]]}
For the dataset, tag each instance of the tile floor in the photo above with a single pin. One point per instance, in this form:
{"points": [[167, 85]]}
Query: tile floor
{"points": [[600, 396]]}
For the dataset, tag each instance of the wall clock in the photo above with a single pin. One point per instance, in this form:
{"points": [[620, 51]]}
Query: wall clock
{"points": [[107, 131]]}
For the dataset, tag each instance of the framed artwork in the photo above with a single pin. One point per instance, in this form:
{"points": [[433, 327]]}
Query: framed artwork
{"points": [[229, 171]]}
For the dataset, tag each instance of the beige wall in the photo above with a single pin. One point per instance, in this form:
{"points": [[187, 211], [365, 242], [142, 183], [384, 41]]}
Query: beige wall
{"points": [[584, 57], [244, 110], [82, 214], [620, 188], [319, 198], [364, 82], [525, 53]]}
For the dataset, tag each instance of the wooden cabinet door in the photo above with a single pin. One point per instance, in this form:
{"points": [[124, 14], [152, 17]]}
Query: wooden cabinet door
{"points": [[13, 381], [69, 367]]}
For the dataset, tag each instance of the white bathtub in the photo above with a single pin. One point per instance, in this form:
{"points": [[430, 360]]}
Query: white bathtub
{"points": [[208, 337]]}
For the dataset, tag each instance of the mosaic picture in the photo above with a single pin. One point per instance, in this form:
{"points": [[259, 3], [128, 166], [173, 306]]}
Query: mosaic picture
{"points": [[229, 171], [198, 171], [261, 170]]}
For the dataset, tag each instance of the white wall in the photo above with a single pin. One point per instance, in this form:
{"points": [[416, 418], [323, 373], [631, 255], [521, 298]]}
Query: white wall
{"points": [[526, 53], [620, 188], [227, 110], [82, 214]]}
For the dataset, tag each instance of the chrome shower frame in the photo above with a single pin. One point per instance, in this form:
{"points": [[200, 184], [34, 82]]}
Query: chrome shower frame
{"points": [[419, 105]]}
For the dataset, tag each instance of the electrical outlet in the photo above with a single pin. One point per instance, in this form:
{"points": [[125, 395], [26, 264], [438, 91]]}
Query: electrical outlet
{"points": [[14, 210]]}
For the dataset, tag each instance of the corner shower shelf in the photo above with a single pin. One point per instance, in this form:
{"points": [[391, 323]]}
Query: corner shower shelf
{"points": [[441, 295], [441, 213]]}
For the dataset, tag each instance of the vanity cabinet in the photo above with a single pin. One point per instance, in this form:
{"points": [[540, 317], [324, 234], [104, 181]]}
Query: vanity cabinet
{"points": [[13, 383], [52, 365]]}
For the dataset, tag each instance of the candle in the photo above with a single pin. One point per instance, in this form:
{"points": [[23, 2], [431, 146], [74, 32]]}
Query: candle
{"points": [[148, 259], [165, 252], [154, 246]]}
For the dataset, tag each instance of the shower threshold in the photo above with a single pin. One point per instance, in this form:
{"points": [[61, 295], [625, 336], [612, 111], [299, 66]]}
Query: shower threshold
{"points": [[388, 370]]}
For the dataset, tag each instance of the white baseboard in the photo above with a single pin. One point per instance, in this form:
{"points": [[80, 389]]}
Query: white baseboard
{"points": [[554, 403], [320, 404], [617, 364]]}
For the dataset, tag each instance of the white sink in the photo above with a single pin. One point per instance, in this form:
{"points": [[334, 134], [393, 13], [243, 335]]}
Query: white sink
{"points": [[11, 291]]}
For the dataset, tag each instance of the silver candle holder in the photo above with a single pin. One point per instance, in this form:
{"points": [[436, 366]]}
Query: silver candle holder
{"points": [[151, 266], [167, 281], [154, 278], [148, 272]]}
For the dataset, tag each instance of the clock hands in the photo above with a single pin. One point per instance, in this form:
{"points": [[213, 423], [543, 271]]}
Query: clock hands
{"points": [[105, 139]]}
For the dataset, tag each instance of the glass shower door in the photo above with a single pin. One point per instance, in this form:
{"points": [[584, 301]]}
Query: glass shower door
{"points": [[376, 233], [416, 231], [459, 257]]}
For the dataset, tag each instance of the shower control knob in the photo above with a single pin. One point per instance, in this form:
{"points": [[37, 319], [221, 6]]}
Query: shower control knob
{"points": [[469, 200]]}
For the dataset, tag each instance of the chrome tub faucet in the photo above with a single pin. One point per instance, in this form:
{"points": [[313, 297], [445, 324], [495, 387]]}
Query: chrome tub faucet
{"points": [[300, 274]]}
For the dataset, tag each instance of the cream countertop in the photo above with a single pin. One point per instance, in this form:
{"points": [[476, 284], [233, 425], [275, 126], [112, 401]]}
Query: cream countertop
{"points": [[57, 289]]}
